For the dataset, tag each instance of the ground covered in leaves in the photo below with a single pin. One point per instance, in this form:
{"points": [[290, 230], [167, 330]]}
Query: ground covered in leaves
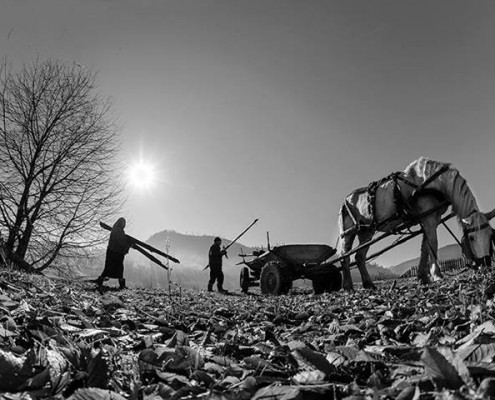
{"points": [[65, 340]]}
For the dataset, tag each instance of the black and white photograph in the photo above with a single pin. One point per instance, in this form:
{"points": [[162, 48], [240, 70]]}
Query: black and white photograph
{"points": [[247, 199]]}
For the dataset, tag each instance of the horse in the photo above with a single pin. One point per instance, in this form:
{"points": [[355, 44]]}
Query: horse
{"points": [[418, 195]]}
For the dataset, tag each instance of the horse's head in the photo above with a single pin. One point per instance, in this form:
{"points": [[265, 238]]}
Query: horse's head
{"points": [[477, 237]]}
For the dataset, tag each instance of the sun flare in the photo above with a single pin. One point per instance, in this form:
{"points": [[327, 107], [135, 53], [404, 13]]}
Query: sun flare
{"points": [[142, 175]]}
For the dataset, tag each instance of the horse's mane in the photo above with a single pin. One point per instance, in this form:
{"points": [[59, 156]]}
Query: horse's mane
{"points": [[461, 197], [454, 186], [424, 167]]}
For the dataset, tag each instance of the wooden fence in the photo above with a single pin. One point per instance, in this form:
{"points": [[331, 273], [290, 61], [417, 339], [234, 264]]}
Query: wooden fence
{"points": [[451, 265]]}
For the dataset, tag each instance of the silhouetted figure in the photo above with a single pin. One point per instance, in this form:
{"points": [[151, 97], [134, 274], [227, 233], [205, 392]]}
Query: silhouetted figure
{"points": [[118, 247], [215, 262]]}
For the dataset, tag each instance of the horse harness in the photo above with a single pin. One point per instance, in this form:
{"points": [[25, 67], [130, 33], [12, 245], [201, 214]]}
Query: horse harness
{"points": [[402, 205], [404, 210]]}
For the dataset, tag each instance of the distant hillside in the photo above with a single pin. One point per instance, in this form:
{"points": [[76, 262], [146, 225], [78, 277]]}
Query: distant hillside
{"points": [[192, 251], [376, 271], [444, 253]]}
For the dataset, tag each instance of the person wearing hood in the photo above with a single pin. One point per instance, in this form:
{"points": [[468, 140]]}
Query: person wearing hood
{"points": [[118, 246]]}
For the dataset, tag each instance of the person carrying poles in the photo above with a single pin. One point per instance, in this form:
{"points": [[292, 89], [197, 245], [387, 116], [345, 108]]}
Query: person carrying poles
{"points": [[118, 246], [215, 262]]}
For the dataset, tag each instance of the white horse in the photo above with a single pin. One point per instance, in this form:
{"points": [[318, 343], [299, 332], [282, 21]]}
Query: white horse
{"points": [[423, 186]]}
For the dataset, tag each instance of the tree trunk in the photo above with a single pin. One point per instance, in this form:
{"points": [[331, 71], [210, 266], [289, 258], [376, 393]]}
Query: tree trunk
{"points": [[24, 240], [20, 263]]}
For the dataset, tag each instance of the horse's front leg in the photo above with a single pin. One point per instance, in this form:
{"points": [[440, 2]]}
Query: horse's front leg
{"points": [[429, 250], [364, 236], [435, 271], [423, 276]]}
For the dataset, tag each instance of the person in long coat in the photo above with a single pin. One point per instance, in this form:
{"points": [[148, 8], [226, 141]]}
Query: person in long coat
{"points": [[118, 246], [215, 262]]}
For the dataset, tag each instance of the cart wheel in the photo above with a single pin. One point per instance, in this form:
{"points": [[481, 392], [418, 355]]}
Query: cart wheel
{"points": [[319, 286], [274, 279], [336, 281], [244, 279], [330, 282]]}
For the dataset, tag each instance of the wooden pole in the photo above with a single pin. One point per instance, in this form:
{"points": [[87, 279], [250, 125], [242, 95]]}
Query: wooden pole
{"points": [[144, 245], [149, 256], [386, 234], [380, 252]]}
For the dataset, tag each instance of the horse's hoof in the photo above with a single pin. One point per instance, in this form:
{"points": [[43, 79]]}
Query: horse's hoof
{"points": [[369, 285], [424, 280], [436, 273]]}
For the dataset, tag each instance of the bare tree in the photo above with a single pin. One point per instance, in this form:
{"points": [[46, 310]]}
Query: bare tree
{"points": [[59, 158]]}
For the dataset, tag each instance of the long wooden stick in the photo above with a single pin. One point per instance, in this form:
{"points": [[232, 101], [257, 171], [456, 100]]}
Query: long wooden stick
{"points": [[235, 240], [386, 234], [400, 241], [148, 255], [144, 245], [242, 233]]}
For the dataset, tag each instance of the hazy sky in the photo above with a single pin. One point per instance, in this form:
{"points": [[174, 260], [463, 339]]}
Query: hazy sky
{"points": [[276, 109]]}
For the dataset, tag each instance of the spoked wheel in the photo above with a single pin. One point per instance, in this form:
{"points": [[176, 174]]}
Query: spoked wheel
{"points": [[244, 279], [320, 285], [330, 282], [274, 279], [336, 281]]}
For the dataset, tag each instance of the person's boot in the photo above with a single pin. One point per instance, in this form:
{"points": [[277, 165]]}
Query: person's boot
{"points": [[210, 287], [221, 289], [121, 284]]}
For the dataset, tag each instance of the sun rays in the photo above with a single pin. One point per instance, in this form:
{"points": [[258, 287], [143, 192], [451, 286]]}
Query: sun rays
{"points": [[142, 176]]}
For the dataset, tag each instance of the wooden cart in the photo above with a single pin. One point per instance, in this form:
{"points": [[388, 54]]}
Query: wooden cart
{"points": [[275, 270]]}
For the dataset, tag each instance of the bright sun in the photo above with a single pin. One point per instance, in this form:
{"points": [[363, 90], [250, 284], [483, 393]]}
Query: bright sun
{"points": [[142, 175]]}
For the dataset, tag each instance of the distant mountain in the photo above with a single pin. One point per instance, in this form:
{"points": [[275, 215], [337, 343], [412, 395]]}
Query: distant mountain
{"points": [[376, 271], [444, 253], [192, 251]]}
